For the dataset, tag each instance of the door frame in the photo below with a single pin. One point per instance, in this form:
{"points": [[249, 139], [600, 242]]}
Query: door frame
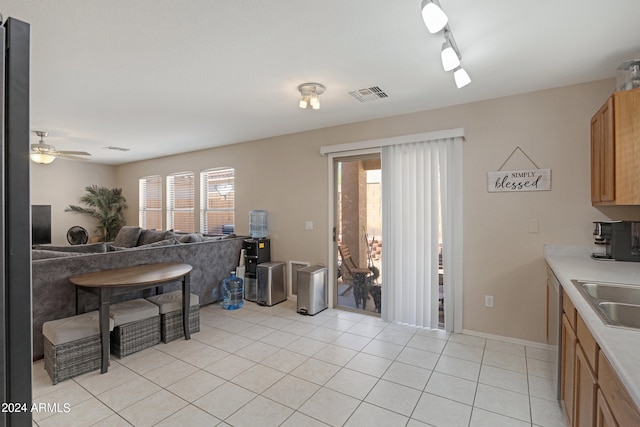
{"points": [[333, 220], [453, 307]]}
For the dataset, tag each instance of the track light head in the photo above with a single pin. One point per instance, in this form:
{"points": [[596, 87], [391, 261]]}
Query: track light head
{"points": [[449, 56], [434, 18], [461, 77]]}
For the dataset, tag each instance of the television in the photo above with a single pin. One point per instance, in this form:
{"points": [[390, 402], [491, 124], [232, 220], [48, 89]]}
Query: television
{"points": [[40, 224]]}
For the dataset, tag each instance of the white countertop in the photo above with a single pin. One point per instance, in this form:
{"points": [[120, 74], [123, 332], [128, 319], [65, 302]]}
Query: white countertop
{"points": [[620, 346]]}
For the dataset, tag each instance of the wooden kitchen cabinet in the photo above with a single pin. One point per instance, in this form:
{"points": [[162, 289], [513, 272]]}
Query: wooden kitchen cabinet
{"points": [[567, 386], [604, 416], [622, 409], [585, 387], [615, 150], [590, 392]]}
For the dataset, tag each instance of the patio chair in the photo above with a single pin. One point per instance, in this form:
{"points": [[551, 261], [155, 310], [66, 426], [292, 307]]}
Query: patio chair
{"points": [[359, 274]]}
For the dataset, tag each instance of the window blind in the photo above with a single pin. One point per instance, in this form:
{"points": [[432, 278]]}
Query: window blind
{"points": [[217, 201], [181, 202], [150, 202]]}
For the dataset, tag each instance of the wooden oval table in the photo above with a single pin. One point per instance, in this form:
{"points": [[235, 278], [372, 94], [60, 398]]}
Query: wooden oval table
{"points": [[120, 281]]}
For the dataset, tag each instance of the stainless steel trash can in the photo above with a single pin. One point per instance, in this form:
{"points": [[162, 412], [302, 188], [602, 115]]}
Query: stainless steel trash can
{"points": [[272, 285], [312, 289]]}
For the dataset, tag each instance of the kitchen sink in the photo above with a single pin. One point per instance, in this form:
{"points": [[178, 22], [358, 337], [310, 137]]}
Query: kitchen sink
{"points": [[615, 293], [616, 304], [627, 315]]}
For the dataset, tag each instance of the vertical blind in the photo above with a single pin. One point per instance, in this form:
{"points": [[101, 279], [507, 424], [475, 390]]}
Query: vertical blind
{"points": [[217, 201], [150, 202], [421, 189], [180, 202]]}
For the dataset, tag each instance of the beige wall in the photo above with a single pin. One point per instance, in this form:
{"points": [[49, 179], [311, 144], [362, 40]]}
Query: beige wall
{"points": [[61, 184], [288, 177]]}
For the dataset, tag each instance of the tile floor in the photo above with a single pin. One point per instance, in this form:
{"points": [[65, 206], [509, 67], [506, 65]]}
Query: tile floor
{"points": [[269, 366]]}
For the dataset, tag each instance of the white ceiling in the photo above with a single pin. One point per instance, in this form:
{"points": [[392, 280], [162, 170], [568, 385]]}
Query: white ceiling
{"points": [[167, 76]]}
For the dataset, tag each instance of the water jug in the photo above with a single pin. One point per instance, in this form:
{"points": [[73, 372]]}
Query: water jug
{"points": [[232, 292], [258, 228]]}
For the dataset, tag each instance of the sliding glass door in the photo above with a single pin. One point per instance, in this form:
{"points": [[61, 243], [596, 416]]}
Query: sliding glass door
{"points": [[358, 233]]}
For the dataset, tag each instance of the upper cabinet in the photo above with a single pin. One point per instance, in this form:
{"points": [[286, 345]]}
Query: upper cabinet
{"points": [[615, 151]]}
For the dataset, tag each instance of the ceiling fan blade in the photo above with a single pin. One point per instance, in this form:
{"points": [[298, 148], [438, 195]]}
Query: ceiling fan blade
{"points": [[69, 156], [74, 153]]}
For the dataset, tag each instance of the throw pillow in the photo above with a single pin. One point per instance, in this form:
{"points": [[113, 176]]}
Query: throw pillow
{"points": [[151, 236], [191, 238], [127, 237]]}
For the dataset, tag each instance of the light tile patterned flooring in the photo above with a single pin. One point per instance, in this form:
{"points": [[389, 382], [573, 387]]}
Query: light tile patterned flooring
{"points": [[269, 366]]}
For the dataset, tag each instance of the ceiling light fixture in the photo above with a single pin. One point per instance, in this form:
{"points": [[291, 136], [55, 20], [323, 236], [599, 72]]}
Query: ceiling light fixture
{"points": [[450, 55], [434, 17], [436, 20], [461, 77], [42, 158], [310, 95]]}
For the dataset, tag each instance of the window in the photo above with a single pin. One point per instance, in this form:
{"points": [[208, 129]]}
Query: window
{"points": [[150, 212], [217, 201], [180, 202]]}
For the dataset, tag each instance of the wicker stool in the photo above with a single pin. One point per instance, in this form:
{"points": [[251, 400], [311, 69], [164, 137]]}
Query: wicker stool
{"points": [[170, 305], [72, 346], [137, 326]]}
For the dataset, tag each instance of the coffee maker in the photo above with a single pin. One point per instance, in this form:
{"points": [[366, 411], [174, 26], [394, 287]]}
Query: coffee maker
{"points": [[621, 240], [602, 238]]}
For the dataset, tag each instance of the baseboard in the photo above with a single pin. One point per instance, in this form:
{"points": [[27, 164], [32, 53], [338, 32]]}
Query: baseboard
{"points": [[511, 340]]}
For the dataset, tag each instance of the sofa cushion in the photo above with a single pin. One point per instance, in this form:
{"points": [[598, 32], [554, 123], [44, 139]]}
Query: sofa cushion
{"points": [[191, 238], [152, 236], [127, 237], [91, 248], [43, 254]]}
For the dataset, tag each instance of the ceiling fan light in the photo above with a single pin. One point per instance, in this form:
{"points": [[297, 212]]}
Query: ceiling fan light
{"points": [[461, 77], [434, 18], [449, 57], [41, 158]]}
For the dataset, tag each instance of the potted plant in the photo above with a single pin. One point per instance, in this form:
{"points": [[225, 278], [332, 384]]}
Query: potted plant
{"points": [[107, 206]]}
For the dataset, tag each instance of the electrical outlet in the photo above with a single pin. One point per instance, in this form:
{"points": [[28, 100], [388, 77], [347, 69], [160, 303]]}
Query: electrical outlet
{"points": [[308, 225], [488, 301]]}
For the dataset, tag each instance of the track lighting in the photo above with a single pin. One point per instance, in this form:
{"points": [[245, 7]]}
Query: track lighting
{"points": [[434, 18], [449, 54], [461, 77], [310, 95]]}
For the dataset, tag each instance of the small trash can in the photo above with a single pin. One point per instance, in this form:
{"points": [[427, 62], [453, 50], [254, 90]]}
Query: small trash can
{"points": [[272, 285], [312, 289]]}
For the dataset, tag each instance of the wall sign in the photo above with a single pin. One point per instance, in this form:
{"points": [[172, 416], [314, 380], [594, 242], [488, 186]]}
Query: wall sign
{"points": [[519, 180]]}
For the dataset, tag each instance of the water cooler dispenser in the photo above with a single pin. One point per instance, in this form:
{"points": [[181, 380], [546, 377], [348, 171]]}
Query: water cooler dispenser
{"points": [[257, 251]]}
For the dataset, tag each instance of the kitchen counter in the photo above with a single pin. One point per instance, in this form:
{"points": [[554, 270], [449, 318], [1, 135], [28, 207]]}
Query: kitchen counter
{"points": [[620, 346]]}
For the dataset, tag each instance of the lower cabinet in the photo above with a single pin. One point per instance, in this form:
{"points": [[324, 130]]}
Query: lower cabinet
{"points": [[590, 392], [622, 409], [586, 385], [604, 416], [569, 342]]}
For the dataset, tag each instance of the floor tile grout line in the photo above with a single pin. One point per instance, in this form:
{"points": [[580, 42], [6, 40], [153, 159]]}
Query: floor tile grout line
{"points": [[343, 365]]}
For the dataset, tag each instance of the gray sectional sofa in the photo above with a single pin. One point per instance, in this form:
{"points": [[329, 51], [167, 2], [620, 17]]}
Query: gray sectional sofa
{"points": [[54, 297]]}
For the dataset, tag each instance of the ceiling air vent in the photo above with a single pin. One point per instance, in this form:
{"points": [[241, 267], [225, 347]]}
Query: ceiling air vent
{"points": [[368, 94]]}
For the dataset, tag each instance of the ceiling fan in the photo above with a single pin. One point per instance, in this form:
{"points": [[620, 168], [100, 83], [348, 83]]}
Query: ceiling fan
{"points": [[45, 153]]}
